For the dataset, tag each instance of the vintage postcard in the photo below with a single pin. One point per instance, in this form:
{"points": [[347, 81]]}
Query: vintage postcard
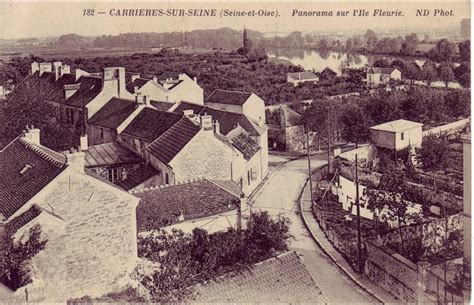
{"points": [[235, 152]]}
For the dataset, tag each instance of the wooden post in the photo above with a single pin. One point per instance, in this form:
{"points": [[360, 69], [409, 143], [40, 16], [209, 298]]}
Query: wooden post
{"points": [[309, 168], [359, 241]]}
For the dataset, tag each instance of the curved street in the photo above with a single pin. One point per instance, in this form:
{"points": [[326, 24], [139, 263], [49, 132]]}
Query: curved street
{"points": [[279, 195]]}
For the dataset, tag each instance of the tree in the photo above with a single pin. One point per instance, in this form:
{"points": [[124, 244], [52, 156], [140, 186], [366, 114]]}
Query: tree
{"points": [[433, 154], [412, 72], [409, 44], [381, 63], [443, 51], [15, 255], [389, 197], [463, 74], [458, 103], [355, 123], [315, 118], [327, 74], [446, 73], [188, 259], [429, 72], [465, 50]]}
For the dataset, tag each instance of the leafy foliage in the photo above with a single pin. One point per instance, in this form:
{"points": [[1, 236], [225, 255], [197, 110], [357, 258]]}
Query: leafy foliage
{"points": [[433, 154], [188, 259], [14, 256]]}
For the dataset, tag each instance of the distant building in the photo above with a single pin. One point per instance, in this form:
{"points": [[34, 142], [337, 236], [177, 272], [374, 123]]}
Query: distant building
{"points": [[381, 76], [90, 224], [397, 134], [297, 78], [280, 279], [465, 30]]}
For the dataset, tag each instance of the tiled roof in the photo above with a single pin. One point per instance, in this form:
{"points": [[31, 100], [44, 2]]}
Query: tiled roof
{"points": [[229, 186], [138, 176], [109, 154], [397, 126], [149, 124], [90, 88], [170, 143], [168, 74], [283, 279], [139, 82], [112, 114], [228, 97], [25, 170], [245, 144], [161, 106], [381, 70], [305, 75], [161, 206], [229, 120], [18, 222], [188, 106]]}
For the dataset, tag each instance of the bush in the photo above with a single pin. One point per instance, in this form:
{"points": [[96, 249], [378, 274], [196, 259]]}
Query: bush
{"points": [[188, 259]]}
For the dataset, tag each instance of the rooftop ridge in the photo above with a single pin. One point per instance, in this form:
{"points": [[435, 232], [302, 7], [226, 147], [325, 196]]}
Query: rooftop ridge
{"points": [[163, 186], [237, 91], [40, 153]]}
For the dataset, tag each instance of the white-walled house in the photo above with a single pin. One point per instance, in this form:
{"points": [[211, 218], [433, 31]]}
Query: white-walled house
{"points": [[381, 76], [297, 78], [90, 224], [397, 134]]}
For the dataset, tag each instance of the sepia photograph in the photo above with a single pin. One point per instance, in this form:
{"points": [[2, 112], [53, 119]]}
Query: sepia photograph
{"points": [[235, 152]]}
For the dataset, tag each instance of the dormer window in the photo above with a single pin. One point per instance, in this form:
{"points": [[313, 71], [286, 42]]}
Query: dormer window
{"points": [[25, 169]]}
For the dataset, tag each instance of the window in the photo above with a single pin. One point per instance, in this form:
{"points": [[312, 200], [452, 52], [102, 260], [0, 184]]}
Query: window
{"points": [[402, 135], [167, 179], [248, 177], [101, 133], [112, 174]]}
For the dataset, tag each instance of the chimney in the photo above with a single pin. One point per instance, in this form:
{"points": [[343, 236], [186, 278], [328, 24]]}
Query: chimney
{"points": [[139, 98], [34, 67], [32, 135], [155, 78], [76, 160], [217, 127], [206, 122], [135, 89], [80, 73], [188, 112], [134, 77], [69, 90], [114, 81], [45, 67], [195, 79], [56, 67], [84, 143], [64, 69]]}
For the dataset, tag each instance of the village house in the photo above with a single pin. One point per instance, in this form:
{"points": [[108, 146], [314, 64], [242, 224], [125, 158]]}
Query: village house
{"points": [[297, 78], [212, 205], [397, 134], [382, 76], [168, 88], [89, 224]]}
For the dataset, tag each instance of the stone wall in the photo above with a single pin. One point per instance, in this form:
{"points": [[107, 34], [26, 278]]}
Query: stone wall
{"points": [[448, 128], [392, 272], [98, 245], [206, 156]]}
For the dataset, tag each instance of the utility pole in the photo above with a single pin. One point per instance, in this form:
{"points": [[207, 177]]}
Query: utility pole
{"points": [[359, 242], [309, 166]]}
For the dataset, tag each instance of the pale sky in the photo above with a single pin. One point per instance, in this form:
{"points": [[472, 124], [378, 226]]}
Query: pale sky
{"points": [[34, 19]]}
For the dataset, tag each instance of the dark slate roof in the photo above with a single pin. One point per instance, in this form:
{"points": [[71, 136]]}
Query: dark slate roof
{"points": [[246, 145], [197, 199], [305, 75], [228, 97], [165, 75], [137, 177], [282, 279], [41, 165], [18, 222], [170, 143], [113, 113], [109, 154], [149, 124], [139, 82], [188, 106], [161, 106], [90, 88], [229, 120]]}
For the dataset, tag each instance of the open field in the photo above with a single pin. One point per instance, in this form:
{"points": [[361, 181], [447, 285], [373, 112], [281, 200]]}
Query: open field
{"points": [[6, 53]]}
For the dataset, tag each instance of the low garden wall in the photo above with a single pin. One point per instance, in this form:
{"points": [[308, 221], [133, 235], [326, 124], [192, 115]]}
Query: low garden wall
{"points": [[448, 128]]}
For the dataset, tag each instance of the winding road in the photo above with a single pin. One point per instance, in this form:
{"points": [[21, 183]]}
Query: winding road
{"points": [[279, 195]]}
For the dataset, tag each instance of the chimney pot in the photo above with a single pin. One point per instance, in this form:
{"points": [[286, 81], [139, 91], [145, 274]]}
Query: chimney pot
{"points": [[206, 122], [32, 135]]}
